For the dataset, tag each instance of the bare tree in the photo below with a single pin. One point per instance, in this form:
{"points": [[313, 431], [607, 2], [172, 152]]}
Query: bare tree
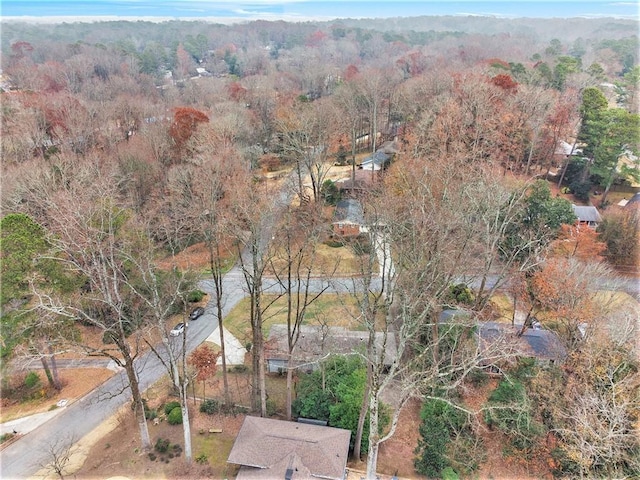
{"points": [[95, 243], [306, 134], [253, 232], [300, 231], [59, 451]]}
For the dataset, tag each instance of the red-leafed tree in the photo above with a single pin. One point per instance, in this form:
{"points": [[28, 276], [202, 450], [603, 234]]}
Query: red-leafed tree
{"points": [[351, 72], [204, 359], [579, 241], [505, 82], [185, 122]]}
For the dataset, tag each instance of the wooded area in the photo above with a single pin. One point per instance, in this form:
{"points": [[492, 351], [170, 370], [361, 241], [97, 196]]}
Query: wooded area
{"points": [[125, 143]]}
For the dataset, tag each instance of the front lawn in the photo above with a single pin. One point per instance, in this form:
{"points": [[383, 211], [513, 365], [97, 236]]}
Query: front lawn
{"points": [[333, 309]]}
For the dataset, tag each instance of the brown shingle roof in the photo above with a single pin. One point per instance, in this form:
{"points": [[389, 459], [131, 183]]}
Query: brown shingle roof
{"points": [[271, 446]]}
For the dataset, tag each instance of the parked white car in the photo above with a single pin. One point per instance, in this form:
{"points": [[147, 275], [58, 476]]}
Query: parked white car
{"points": [[178, 329]]}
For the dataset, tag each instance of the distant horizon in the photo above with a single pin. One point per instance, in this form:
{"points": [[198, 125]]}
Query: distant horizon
{"points": [[235, 11]]}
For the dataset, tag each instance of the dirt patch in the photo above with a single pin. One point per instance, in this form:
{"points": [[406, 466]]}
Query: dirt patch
{"points": [[396, 454], [116, 451], [75, 384]]}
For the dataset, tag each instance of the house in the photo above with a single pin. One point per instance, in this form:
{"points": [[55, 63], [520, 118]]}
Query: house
{"points": [[566, 150], [543, 345], [348, 220], [318, 342], [379, 160], [361, 182], [276, 449], [633, 202], [587, 215]]}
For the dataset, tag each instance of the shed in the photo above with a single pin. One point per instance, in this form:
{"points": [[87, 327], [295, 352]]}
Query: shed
{"points": [[587, 215]]}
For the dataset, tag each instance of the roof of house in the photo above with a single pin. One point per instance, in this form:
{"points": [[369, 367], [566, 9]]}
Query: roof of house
{"points": [[390, 147], [363, 180], [376, 161], [316, 342], [633, 202], [539, 343], [349, 211], [270, 447], [564, 148], [587, 213]]}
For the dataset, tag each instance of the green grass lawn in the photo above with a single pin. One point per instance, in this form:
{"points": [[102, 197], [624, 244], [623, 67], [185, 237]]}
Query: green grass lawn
{"points": [[335, 310]]}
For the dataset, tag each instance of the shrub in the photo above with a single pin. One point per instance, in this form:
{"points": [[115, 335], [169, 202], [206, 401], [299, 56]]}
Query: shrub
{"points": [[271, 407], [152, 456], [195, 296], [513, 414], [32, 380], [162, 445], [333, 243], [449, 474], [330, 193], [210, 406], [202, 459], [362, 246], [581, 190], [460, 293], [440, 422], [170, 406], [241, 368], [478, 377], [175, 416]]}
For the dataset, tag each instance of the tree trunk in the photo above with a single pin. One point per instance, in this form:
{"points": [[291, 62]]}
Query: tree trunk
{"points": [[138, 405], [289, 386], [216, 271], [362, 417], [186, 427], [47, 371], [54, 370], [374, 437]]}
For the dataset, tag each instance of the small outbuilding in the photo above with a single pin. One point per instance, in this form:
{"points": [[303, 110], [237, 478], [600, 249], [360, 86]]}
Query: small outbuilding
{"points": [[587, 215]]}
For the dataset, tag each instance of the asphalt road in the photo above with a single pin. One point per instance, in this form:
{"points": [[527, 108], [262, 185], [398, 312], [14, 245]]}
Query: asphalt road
{"points": [[28, 454]]}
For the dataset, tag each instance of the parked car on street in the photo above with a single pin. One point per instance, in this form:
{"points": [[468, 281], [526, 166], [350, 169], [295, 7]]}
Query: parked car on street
{"points": [[196, 313], [178, 329]]}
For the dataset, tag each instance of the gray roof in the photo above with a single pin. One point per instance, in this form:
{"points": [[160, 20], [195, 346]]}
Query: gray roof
{"points": [[266, 448], [349, 211], [377, 160], [634, 202], [587, 214], [316, 342], [538, 343]]}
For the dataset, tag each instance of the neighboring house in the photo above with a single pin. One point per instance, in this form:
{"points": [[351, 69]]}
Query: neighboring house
{"points": [[566, 150], [588, 215], [543, 345], [276, 449], [362, 183], [318, 342], [348, 220], [377, 161], [633, 202]]}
